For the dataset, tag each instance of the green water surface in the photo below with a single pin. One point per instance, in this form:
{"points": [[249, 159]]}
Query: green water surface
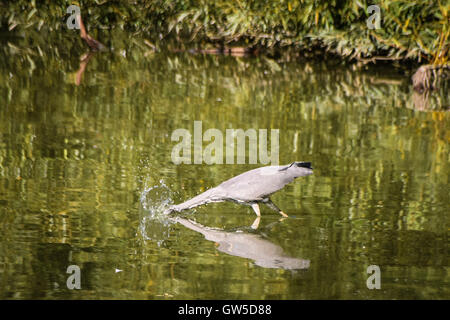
{"points": [[86, 170]]}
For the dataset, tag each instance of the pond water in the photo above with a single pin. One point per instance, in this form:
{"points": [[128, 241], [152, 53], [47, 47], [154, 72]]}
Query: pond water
{"points": [[86, 172]]}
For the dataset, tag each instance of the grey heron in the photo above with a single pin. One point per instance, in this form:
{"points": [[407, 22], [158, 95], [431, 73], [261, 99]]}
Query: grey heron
{"points": [[251, 187]]}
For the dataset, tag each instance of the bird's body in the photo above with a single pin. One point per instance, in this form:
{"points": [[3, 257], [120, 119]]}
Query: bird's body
{"points": [[250, 187], [247, 186]]}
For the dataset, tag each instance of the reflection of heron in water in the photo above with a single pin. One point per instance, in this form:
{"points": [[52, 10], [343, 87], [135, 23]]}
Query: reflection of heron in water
{"points": [[251, 187], [246, 245], [84, 60]]}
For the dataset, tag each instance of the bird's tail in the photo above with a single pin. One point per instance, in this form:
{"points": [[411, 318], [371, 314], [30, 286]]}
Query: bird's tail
{"points": [[203, 198]]}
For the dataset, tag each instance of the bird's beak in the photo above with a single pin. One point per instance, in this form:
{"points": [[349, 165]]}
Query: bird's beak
{"points": [[305, 165]]}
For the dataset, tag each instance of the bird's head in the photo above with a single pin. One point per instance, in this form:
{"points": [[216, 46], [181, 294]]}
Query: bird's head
{"points": [[299, 169]]}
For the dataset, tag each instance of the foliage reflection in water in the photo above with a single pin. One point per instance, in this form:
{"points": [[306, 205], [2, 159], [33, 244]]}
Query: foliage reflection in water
{"points": [[77, 154]]}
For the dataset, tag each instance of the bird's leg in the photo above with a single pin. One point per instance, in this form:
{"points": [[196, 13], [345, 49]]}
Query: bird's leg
{"points": [[255, 224], [255, 208], [272, 206]]}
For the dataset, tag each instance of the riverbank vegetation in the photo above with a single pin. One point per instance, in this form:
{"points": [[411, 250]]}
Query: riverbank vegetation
{"points": [[409, 30]]}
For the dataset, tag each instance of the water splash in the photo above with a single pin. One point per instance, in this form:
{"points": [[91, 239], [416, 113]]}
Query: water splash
{"points": [[156, 199], [155, 224]]}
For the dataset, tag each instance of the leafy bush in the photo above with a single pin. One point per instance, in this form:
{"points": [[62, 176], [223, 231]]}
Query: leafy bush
{"points": [[409, 29]]}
